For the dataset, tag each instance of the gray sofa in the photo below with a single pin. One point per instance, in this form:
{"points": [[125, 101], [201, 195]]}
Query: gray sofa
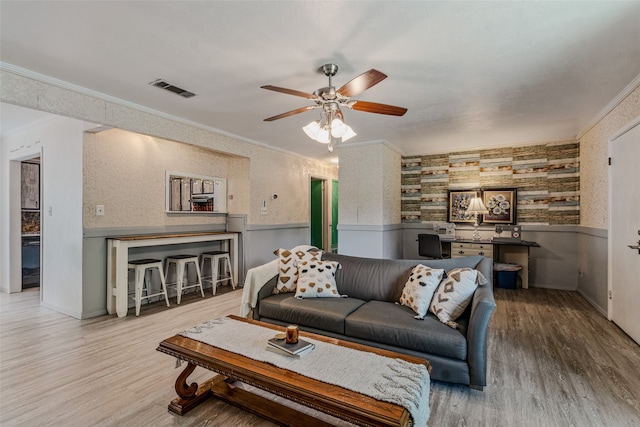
{"points": [[370, 316]]}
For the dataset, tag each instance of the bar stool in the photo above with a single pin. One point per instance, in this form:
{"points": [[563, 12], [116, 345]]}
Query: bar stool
{"points": [[216, 260], [142, 284], [181, 264]]}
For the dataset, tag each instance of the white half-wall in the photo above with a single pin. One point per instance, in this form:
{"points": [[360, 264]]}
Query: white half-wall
{"points": [[261, 240], [59, 142], [371, 241]]}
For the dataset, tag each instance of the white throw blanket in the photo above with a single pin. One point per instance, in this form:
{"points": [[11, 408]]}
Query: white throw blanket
{"points": [[383, 378], [256, 278]]}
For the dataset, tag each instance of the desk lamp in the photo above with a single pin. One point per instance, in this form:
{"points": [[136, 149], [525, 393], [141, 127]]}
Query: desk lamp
{"points": [[476, 207]]}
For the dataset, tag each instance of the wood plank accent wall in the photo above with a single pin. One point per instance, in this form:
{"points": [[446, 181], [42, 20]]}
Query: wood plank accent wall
{"points": [[547, 178]]}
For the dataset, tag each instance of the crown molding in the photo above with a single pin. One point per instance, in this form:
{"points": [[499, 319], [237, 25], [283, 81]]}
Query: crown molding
{"points": [[374, 142], [42, 78], [635, 83]]}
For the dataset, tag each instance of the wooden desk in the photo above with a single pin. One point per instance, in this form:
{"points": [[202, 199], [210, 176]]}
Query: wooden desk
{"points": [[118, 258], [501, 251]]}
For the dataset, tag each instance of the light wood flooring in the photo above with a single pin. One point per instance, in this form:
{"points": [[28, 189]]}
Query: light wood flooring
{"points": [[553, 361]]}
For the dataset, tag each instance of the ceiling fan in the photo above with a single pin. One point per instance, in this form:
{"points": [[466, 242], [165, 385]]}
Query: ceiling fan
{"points": [[330, 100]]}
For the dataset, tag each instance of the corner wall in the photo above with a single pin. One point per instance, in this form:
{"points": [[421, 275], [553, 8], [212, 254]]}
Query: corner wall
{"points": [[594, 183], [59, 142], [369, 201]]}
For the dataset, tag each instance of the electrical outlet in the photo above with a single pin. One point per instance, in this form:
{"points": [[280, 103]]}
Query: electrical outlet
{"points": [[264, 210], [100, 210]]}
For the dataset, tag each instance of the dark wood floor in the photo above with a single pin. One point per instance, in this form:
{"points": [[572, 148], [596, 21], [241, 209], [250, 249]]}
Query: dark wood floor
{"points": [[553, 361]]}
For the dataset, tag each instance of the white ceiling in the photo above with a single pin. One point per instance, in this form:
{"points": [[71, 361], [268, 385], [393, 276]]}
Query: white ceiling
{"points": [[472, 74]]}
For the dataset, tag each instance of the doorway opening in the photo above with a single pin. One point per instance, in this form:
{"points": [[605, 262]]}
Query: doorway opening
{"points": [[318, 215], [30, 222], [25, 223], [324, 214]]}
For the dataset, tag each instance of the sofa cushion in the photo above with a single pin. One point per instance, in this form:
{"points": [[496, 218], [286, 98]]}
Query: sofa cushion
{"points": [[383, 279], [454, 294], [288, 267], [322, 313], [419, 289], [394, 324], [316, 279]]}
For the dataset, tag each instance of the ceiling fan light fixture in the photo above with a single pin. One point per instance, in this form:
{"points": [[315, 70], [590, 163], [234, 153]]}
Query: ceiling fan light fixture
{"points": [[338, 128], [312, 129], [348, 134], [323, 136], [331, 128]]}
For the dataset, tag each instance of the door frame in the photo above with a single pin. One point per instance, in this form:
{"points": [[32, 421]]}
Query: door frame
{"points": [[326, 206], [15, 221], [611, 140]]}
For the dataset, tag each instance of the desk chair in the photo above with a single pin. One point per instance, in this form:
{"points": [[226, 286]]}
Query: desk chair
{"points": [[429, 246]]}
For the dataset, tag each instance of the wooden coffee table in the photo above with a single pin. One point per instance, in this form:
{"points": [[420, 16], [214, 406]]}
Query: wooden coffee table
{"points": [[231, 367]]}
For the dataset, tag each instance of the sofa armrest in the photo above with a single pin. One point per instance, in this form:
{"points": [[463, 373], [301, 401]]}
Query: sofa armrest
{"points": [[265, 291], [482, 308]]}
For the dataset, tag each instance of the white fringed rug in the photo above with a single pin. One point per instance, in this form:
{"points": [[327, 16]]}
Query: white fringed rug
{"points": [[383, 378]]}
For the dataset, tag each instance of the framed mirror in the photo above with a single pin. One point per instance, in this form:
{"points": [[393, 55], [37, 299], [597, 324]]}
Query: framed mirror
{"points": [[195, 193]]}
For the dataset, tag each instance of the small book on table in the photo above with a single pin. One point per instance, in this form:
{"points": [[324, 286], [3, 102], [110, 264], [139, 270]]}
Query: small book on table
{"points": [[298, 349]]}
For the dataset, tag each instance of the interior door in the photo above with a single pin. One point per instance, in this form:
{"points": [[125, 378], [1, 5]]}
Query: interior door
{"points": [[334, 216], [317, 207], [624, 229]]}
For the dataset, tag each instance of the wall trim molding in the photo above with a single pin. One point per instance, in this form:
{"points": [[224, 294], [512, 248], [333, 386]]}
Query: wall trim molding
{"points": [[595, 232], [260, 227], [63, 310], [593, 304], [624, 129], [376, 142], [633, 85], [369, 227]]}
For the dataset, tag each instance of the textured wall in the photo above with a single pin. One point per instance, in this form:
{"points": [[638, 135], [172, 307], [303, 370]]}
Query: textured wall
{"points": [[270, 171], [290, 178], [546, 176], [369, 184], [594, 146], [391, 182], [125, 172]]}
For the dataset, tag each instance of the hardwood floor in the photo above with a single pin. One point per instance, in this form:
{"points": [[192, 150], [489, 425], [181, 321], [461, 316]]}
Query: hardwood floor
{"points": [[553, 361]]}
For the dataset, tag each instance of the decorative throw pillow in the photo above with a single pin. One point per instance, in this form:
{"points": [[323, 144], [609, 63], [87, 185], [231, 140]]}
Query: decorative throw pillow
{"points": [[419, 289], [288, 267], [454, 294], [317, 279]]}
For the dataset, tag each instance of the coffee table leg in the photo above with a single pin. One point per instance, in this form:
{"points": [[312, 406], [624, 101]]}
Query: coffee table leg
{"points": [[186, 391], [191, 395]]}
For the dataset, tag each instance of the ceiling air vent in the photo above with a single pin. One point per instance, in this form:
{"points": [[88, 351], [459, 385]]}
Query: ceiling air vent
{"points": [[162, 84]]}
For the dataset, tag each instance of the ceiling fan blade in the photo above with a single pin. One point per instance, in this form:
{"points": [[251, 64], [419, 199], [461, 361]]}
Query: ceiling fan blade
{"points": [[291, 113], [290, 92], [361, 83], [374, 107]]}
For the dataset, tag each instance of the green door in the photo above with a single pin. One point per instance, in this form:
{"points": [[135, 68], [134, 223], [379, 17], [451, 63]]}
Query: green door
{"points": [[316, 213]]}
